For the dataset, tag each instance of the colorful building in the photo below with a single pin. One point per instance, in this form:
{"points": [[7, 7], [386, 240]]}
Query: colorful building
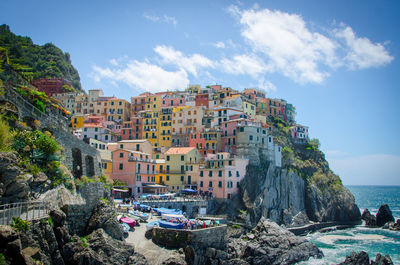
{"points": [[177, 174], [118, 110], [52, 86], [299, 133], [221, 174]]}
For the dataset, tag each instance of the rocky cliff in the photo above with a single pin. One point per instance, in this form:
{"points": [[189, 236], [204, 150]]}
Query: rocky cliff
{"points": [[304, 189]]}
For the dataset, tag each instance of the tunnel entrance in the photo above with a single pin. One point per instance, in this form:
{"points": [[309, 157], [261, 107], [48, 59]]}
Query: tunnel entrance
{"points": [[76, 163]]}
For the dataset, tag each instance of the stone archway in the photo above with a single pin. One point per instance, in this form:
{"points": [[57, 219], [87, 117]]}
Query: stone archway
{"points": [[76, 163], [89, 163]]}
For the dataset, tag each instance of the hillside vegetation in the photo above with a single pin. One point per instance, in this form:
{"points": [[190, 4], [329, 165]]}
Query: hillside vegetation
{"points": [[35, 61]]}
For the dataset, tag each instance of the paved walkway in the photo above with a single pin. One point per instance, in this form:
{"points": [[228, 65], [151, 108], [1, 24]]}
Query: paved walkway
{"points": [[153, 253]]}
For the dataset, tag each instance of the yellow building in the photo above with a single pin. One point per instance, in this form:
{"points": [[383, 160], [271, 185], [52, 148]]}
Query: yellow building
{"points": [[178, 173], [160, 169], [249, 107], [153, 103], [165, 127], [150, 126], [193, 89], [77, 121], [118, 110]]}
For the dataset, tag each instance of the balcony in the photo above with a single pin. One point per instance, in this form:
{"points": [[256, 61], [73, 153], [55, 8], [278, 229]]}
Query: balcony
{"points": [[136, 159]]}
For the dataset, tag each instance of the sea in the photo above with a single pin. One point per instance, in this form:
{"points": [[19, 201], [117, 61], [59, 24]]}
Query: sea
{"points": [[337, 244]]}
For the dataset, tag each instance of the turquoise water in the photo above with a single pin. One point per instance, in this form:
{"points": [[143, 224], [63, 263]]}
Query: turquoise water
{"points": [[337, 244]]}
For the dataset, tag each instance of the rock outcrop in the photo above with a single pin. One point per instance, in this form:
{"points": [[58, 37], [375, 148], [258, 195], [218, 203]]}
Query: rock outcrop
{"points": [[16, 185], [286, 198], [384, 215], [362, 258], [266, 243], [370, 220]]}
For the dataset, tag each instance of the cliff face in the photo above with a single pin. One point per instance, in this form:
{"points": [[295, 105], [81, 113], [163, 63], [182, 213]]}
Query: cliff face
{"points": [[284, 197], [304, 189]]}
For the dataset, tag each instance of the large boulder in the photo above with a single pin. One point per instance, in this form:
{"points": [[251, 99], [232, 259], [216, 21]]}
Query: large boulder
{"points": [[104, 217], [384, 215], [267, 243], [370, 220], [362, 258], [99, 248]]}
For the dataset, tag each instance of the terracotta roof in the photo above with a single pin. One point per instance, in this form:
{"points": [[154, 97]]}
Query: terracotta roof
{"points": [[179, 150]]}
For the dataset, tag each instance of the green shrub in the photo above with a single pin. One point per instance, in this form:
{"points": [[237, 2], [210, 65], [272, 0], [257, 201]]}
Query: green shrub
{"points": [[84, 241], [5, 135], [50, 221], [19, 224], [2, 259]]}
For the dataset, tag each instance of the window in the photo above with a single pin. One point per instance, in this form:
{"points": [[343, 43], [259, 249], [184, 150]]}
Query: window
{"points": [[201, 183], [121, 166], [237, 184], [182, 168], [182, 178], [182, 158], [167, 158], [241, 129], [106, 137], [167, 177], [229, 184], [121, 146], [220, 173], [237, 174], [251, 137], [201, 173], [161, 179], [210, 184], [230, 173], [219, 184], [121, 154], [210, 173]]}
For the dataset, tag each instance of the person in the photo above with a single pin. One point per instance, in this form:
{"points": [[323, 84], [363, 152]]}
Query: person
{"points": [[151, 213], [204, 224]]}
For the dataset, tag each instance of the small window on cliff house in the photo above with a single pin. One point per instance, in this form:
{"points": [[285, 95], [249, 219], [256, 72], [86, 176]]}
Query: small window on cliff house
{"points": [[121, 166], [121, 154]]}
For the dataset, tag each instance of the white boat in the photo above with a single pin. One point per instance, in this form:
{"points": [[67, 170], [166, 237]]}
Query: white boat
{"points": [[151, 225], [143, 216], [171, 216]]}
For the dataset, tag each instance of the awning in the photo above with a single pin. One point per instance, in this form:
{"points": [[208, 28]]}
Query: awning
{"points": [[121, 190], [153, 186]]}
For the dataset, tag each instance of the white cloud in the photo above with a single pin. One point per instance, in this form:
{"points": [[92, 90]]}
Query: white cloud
{"points": [[164, 18], [376, 169], [244, 65], [190, 64], [361, 52], [266, 85], [143, 76], [218, 44], [285, 42]]}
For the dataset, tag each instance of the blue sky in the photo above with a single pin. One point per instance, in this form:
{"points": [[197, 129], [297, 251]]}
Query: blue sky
{"points": [[336, 61]]}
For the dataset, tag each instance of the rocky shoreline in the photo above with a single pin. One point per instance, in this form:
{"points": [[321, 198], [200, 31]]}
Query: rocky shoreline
{"points": [[383, 218]]}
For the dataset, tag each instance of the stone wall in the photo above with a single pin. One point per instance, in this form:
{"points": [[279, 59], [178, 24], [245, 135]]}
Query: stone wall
{"points": [[174, 238], [55, 122], [78, 213], [191, 208]]}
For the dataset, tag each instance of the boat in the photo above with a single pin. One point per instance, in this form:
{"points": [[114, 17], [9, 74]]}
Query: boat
{"points": [[125, 227], [128, 221], [165, 224], [167, 216], [143, 216], [151, 225]]}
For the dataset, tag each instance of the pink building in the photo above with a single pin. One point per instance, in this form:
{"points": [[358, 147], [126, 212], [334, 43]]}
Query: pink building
{"points": [[202, 100], [172, 100], [132, 130], [134, 168], [221, 175], [299, 133]]}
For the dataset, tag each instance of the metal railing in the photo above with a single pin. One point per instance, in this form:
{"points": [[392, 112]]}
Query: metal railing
{"points": [[25, 210]]}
